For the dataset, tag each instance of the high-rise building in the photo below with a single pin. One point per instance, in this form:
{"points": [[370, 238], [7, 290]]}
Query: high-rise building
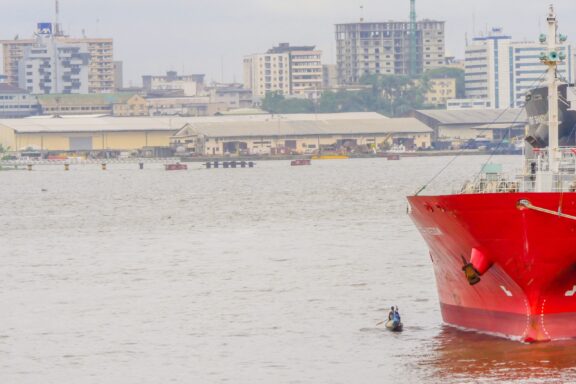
{"points": [[384, 48], [285, 69], [500, 71], [101, 67], [101, 62], [50, 66]]}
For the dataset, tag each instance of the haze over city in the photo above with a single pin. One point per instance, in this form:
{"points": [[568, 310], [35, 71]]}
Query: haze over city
{"points": [[199, 36], [275, 191]]}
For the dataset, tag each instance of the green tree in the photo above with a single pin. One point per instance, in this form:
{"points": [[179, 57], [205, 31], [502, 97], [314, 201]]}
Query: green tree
{"points": [[342, 101], [396, 95], [275, 102], [391, 95]]}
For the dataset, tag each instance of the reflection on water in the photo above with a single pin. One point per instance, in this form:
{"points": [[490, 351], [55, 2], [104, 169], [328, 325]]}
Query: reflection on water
{"points": [[458, 355]]}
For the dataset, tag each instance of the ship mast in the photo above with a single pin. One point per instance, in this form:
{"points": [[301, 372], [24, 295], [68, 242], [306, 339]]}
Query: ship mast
{"points": [[552, 59]]}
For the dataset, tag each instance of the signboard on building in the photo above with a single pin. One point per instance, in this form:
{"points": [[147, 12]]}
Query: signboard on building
{"points": [[44, 28]]}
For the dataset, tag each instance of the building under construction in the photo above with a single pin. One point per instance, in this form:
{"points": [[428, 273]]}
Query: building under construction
{"points": [[388, 48]]}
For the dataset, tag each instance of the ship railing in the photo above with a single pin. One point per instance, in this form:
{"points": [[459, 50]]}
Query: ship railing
{"points": [[559, 185], [540, 162], [564, 179], [499, 184]]}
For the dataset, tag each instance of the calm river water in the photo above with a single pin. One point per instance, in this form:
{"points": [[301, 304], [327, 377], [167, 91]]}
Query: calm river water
{"points": [[276, 274]]}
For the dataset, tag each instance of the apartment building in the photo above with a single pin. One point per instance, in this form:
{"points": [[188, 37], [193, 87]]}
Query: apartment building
{"points": [[384, 48], [287, 69], [500, 71], [233, 95], [101, 66], [440, 91], [101, 62], [50, 66], [16, 102], [185, 85]]}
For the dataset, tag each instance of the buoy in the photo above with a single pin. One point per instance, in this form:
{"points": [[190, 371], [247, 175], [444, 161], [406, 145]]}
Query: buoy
{"points": [[66, 167], [103, 166]]}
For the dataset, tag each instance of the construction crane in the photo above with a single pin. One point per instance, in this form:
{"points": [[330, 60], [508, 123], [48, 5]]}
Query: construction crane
{"points": [[413, 40]]}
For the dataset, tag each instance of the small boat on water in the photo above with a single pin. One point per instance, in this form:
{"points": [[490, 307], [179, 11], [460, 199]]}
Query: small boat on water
{"points": [[300, 162], [394, 326], [394, 321], [175, 167], [393, 157]]}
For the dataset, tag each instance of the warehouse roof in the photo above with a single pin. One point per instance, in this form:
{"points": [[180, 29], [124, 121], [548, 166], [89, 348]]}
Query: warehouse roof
{"points": [[221, 123], [55, 100], [474, 116], [305, 128]]}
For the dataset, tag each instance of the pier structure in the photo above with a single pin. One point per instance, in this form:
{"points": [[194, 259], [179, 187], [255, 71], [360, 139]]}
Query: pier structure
{"points": [[29, 164]]}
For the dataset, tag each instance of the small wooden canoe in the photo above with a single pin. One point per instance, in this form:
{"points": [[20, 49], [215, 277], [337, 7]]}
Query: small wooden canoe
{"points": [[394, 327]]}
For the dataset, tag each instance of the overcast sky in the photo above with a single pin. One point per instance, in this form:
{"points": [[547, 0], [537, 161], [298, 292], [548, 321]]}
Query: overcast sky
{"points": [[196, 36]]}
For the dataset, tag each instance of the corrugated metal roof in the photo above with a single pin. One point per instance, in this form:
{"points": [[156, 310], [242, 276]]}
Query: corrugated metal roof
{"points": [[54, 100], [226, 125], [521, 125], [306, 128], [476, 116]]}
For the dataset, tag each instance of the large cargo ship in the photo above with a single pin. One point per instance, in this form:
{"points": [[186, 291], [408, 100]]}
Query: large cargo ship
{"points": [[504, 250]]}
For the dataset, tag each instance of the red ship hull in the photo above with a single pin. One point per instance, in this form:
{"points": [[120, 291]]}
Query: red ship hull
{"points": [[527, 260]]}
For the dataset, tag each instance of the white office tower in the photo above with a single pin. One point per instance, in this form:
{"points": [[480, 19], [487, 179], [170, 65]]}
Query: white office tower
{"points": [[500, 71]]}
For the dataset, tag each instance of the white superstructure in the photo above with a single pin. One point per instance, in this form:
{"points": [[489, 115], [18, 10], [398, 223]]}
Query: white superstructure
{"points": [[501, 71]]}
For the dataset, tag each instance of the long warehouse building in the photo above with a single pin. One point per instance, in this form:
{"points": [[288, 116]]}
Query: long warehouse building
{"points": [[218, 134]]}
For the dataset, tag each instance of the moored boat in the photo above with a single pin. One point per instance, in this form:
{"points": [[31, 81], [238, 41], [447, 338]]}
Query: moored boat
{"points": [[503, 249], [298, 162], [176, 167]]}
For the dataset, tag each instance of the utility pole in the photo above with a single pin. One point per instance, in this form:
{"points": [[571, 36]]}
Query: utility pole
{"points": [[413, 40]]}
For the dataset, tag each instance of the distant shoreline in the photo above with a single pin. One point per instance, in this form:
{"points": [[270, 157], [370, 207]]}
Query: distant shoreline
{"points": [[201, 159]]}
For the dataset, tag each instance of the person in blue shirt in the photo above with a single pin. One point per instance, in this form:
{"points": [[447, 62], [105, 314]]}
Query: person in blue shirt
{"points": [[391, 313], [396, 316]]}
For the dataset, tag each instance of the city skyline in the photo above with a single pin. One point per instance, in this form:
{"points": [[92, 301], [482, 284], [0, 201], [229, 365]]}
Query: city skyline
{"points": [[200, 36]]}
